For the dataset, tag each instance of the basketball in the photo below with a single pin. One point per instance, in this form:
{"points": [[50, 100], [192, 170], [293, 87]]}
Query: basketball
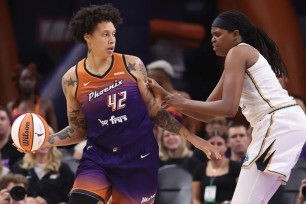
{"points": [[29, 132]]}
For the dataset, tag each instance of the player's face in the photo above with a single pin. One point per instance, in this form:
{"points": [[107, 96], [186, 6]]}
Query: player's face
{"points": [[219, 143], [103, 40], [27, 81], [222, 41], [171, 141], [238, 139], [4, 123]]}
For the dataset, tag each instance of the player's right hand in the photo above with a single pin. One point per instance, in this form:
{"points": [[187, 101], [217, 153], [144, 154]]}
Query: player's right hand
{"points": [[206, 147], [21, 150], [156, 88]]}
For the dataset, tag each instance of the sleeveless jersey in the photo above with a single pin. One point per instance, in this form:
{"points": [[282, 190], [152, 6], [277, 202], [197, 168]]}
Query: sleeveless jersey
{"points": [[115, 114], [262, 92]]}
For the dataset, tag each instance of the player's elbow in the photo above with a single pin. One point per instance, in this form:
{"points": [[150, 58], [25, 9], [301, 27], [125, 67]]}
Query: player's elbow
{"points": [[231, 111]]}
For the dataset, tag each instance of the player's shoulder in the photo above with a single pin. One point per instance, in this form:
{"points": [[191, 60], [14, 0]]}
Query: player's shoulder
{"points": [[70, 74], [132, 59]]}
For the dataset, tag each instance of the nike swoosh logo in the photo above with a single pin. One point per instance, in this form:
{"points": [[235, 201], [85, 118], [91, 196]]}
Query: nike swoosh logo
{"points": [[39, 134], [85, 84], [143, 156]]}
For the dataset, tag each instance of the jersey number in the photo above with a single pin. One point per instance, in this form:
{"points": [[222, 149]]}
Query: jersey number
{"points": [[116, 101]]}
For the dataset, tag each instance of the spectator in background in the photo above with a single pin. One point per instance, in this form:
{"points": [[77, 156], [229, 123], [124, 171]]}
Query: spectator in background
{"points": [[217, 123], [162, 72], [302, 193], [48, 177], [78, 150], [3, 169], [216, 179], [27, 81], [9, 153], [13, 191], [238, 142], [173, 150]]}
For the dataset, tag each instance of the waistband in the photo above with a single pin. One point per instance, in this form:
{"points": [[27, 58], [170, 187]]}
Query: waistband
{"points": [[282, 107], [116, 149], [272, 110]]}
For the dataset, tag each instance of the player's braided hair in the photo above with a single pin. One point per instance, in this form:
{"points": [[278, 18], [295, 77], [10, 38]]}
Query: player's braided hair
{"points": [[86, 20], [256, 37]]}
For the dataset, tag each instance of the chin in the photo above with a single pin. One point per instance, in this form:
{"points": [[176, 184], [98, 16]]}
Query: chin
{"points": [[220, 54]]}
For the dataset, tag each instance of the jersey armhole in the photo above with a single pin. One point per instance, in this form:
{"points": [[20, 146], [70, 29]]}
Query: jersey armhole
{"points": [[77, 78], [125, 65]]}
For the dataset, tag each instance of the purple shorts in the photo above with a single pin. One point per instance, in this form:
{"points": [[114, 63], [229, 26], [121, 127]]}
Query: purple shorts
{"points": [[128, 175]]}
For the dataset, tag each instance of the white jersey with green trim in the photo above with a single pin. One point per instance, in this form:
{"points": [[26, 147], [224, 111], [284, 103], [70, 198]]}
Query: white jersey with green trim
{"points": [[262, 91]]}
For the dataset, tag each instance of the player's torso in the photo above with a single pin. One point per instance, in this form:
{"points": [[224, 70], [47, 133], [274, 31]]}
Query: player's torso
{"points": [[114, 111], [262, 92]]}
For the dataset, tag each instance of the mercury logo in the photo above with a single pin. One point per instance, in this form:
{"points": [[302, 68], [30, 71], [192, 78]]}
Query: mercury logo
{"points": [[25, 135]]}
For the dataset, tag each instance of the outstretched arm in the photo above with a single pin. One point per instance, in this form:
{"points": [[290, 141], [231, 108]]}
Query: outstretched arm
{"points": [[198, 115], [160, 116], [227, 105], [75, 131]]}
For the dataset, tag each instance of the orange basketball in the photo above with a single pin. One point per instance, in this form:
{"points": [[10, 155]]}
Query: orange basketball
{"points": [[29, 132]]}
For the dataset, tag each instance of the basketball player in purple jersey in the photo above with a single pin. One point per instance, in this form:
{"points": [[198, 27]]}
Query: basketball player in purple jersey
{"points": [[108, 103]]}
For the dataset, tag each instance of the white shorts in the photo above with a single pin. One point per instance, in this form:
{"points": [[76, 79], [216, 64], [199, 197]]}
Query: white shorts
{"points": [[277, 141]]}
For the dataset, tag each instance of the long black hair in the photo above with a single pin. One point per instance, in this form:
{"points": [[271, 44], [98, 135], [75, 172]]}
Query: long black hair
{"points": [[234, 20]]}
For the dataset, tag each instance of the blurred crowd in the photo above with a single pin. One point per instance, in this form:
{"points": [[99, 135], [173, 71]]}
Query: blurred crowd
{"points": [[46, 176]]}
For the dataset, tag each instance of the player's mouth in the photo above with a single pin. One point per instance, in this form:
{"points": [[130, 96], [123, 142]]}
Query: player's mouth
{"points": [[111, 49]]}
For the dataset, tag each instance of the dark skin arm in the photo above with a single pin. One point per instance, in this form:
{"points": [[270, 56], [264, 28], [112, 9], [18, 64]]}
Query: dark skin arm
{"points": [[214, 96], [160, 116], [230, 86]]}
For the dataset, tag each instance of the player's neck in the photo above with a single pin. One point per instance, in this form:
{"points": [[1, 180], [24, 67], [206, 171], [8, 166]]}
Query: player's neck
{"points": [[97, 65]]}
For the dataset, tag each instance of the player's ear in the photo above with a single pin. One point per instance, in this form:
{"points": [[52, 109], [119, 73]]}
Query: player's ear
{"points": [[236, 33], [86, 37]]}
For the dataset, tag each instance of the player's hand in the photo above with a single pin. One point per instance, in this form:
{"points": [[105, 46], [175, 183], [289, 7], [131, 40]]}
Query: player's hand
{"points": [[174, 100], [206, 147], [156, 88], [21, 150]]}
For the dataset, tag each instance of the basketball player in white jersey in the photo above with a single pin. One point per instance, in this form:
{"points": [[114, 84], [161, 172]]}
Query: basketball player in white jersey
{"points": [[250, 80]]}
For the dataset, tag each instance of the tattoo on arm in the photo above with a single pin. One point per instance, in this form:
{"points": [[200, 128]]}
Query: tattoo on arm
{"points": [[164, 120], [149, 101], [70, 82], [62, 135], [75, 119], [131, 66], [143, 71]]}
